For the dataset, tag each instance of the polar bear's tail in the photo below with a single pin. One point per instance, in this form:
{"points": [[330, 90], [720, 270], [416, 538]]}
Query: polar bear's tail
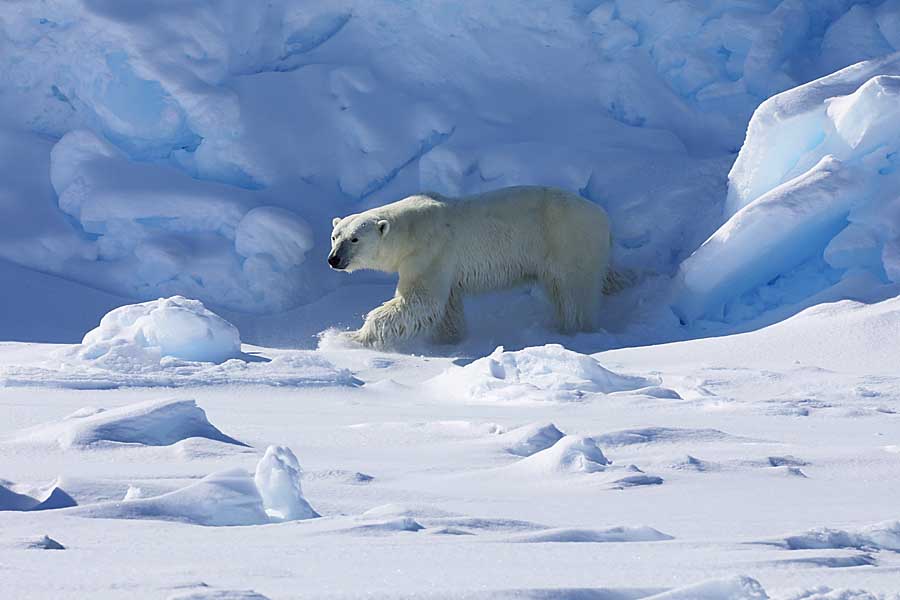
{"points": [[618, 280]]}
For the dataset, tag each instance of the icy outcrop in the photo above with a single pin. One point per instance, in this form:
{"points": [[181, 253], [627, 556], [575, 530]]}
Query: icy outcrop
{"points": [[814, 197], [150, 423], [549, 373], [177, 327], [277, 478]]}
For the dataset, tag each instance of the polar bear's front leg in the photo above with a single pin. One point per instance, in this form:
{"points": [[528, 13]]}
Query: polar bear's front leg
{"points": [[399, 319]]}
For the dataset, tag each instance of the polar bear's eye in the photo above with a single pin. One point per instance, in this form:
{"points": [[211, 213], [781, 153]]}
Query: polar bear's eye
{"points": [[354, 240]]}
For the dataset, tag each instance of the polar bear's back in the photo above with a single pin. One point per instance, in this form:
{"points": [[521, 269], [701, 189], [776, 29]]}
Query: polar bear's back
{"points": [[502, 237]]}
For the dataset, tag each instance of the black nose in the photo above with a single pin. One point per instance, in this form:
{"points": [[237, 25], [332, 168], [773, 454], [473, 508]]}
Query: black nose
{"points": [[334, 261]]}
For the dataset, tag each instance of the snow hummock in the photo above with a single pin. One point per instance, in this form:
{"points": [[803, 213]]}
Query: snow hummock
{"points": [[549, 373], [175, 327], [277, 478], [149, 423], [571, 454]]}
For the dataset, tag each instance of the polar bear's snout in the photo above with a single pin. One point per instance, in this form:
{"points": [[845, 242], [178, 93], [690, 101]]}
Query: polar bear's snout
{"points": [[336, 261]]}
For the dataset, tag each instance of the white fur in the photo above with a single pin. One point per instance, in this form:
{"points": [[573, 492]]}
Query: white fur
{"points": [[445, 248]]}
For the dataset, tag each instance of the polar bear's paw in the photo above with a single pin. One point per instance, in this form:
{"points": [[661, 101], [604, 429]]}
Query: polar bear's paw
{"points": [[335, 339]]}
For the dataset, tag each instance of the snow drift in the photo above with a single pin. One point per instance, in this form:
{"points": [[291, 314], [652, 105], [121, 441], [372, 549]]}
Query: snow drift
{"points": [[233, 497], [150, 423]]}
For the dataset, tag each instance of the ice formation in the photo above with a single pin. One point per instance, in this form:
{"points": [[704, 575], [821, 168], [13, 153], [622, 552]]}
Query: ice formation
{"points": [[814, 197], [277, 478]]}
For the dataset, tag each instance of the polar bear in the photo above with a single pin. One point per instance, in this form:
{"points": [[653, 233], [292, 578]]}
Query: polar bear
{"points": [[444, 248]]}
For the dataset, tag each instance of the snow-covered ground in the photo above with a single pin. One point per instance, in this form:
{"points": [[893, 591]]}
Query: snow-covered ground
{"points": [[179, 419]]}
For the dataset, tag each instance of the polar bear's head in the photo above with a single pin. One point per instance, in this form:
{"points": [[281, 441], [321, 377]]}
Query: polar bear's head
{"points": [[355, 241]]}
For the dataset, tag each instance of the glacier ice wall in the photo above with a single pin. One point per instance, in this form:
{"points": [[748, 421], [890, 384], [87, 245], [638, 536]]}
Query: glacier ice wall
{"points": [[201, 148]]}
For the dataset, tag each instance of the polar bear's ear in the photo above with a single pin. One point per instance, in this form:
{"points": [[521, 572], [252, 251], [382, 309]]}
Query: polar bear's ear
{"points": [[383, 227], [335, 221]]}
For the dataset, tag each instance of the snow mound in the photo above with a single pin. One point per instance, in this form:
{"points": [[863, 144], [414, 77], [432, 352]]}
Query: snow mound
{"points": [[132, 336], [739, 587], [150, 423], [548, 373], [613, 534], [529, 439], [233, 497], [571, 454], [880, 536], [277, 478], [26, 498], [812, 200]]}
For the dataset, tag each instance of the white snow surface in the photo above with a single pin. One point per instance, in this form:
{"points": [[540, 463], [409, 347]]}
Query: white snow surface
{"points": [[731, 433]]}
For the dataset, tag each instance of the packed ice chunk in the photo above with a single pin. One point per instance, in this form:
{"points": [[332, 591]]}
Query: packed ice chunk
{"points": [[150, 423], [174, 327], [277, 478], [812, 198], [549, 372]]}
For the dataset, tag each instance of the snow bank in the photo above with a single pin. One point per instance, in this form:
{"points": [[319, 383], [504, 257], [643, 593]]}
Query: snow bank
{"points": [[548, 373], [150, 423], [30, 498], [812, 198], [233, 497], [132, 336]]}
